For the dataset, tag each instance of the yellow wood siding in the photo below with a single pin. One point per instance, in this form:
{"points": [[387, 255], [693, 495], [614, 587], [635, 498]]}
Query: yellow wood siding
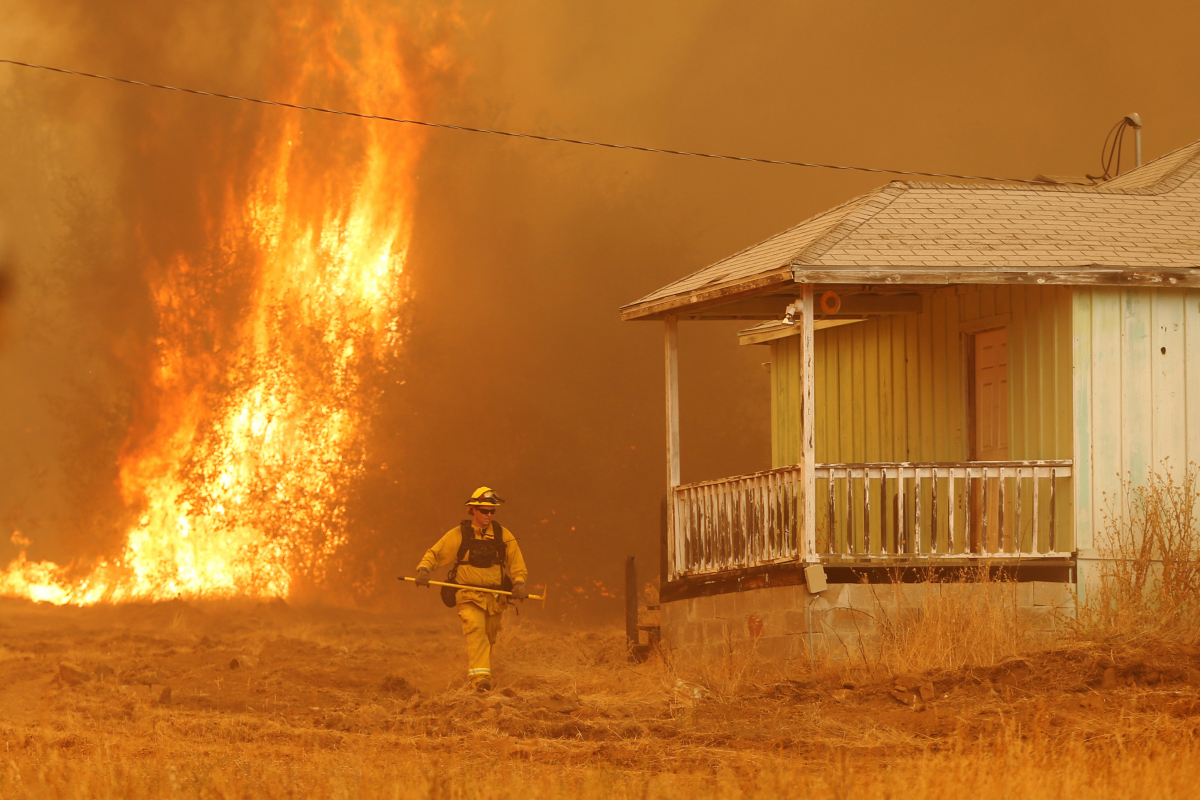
{"points": [[895, 388], [785, 401]]}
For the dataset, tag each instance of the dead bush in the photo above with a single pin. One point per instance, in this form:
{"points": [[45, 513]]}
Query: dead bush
{"points": [[1148, 581], [972, 621]]}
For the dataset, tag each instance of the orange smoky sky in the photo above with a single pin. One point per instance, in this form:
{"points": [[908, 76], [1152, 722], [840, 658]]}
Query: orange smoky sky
{"points": [[516, 371]]}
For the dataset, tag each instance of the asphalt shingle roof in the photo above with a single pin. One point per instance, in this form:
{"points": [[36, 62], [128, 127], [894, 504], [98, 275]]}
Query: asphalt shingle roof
{"points": [[1148, 218]]}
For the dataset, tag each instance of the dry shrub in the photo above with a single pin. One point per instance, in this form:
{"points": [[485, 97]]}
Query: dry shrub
{"points": [[723, 678], [1148, 582], [973, 621]]}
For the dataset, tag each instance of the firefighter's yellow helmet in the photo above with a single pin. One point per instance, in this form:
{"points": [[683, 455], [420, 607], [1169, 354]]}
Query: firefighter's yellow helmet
{"points": [[484, 497]]}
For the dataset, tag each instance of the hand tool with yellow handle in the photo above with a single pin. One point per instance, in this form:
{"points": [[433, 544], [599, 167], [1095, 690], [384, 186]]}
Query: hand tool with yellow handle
{"points": [[541, 596]]}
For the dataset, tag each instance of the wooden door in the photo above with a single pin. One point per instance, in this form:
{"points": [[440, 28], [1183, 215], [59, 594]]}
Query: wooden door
{"points": [[991, 526], [991, 395]]}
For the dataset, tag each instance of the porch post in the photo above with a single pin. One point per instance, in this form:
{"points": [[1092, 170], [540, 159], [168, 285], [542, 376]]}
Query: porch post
{"points": [[672, 375], [808, 425]]}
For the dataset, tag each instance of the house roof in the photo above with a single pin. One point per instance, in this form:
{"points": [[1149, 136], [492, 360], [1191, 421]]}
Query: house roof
{"points": [[1142, 227]]}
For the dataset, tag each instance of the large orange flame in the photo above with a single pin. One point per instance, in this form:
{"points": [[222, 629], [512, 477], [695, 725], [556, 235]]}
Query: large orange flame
{"points": [[242, 463]]}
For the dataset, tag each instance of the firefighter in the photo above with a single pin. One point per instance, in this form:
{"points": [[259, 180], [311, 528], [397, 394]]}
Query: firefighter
{"points": [[486, 555]]}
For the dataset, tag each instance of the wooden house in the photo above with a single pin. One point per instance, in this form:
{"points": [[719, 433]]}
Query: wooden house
{"points": [[958, 373]]}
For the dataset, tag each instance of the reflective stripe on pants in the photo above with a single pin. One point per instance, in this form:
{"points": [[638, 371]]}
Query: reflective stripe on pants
{"points": [[480, 629]]}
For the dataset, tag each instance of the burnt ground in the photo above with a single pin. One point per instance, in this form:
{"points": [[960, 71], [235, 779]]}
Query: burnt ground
{"points": [[269, 673]]}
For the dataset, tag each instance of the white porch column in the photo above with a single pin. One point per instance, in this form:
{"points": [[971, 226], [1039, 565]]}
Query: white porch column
{"points": [[808, 425], [672, 375]]}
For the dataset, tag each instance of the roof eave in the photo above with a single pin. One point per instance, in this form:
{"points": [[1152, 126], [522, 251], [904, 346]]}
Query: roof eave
{"points": [[1084, 275], [708, 296]]}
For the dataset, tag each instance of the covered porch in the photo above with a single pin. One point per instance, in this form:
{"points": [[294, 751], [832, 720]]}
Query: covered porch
{"points": [[910, 425]]}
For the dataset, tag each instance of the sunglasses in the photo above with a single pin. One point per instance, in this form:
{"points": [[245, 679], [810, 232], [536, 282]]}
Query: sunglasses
{"points": [[485, 510]]}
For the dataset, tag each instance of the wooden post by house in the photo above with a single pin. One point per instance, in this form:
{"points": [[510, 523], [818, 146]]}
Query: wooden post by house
{"points": [[808, 528], [631, 602], [672, 376]]}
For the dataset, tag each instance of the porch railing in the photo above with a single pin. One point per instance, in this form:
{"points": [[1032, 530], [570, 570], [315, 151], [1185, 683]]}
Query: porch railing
{"points": [[900, 511], [978, 509], [735, 523]]}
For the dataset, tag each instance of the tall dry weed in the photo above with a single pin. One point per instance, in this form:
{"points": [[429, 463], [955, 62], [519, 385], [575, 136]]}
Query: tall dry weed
{"points": [[724, 678], [972, 621], [1148, 581]]}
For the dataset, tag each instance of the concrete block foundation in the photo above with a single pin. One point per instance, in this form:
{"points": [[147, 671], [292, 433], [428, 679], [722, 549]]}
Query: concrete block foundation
{"points": [[787, 623]]}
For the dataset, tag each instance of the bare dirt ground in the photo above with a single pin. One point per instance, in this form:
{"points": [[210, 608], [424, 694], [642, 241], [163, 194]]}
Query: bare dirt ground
{"points": [[177, 684]]}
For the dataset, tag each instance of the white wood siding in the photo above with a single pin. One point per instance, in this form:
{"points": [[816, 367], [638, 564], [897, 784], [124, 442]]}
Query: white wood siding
{"points": [[1136, 357]]}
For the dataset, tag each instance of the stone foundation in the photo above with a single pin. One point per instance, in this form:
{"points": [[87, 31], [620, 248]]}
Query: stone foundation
{"points": [[845, 618]]}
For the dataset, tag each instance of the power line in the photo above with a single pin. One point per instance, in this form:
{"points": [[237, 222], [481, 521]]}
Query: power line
{"points": [[516, 135]]}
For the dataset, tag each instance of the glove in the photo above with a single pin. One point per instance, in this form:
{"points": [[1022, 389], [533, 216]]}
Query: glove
{"points": [[519, 592], [423, 577]]}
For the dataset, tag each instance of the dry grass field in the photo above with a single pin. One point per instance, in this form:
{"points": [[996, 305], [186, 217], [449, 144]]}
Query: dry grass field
{"points": [[230, 700]]}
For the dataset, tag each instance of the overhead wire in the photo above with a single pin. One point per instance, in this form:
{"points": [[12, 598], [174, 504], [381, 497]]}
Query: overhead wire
{"points": [[520, 135]]}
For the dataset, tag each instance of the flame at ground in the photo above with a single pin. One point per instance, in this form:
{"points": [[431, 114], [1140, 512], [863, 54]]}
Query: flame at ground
{"points": [[255, 429]]}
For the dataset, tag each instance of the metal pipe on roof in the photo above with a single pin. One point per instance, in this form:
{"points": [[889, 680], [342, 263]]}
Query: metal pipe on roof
{"points": [[1135, 121]]}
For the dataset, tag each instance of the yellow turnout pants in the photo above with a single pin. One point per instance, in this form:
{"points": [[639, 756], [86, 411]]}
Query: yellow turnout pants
{"points": [[481, 630]]}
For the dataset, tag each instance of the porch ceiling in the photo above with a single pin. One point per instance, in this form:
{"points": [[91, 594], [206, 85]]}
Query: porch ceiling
{"points": [[1142, 228]]}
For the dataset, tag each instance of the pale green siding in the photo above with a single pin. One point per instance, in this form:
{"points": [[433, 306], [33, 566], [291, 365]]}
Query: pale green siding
{"points": [[1137, 392]]}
